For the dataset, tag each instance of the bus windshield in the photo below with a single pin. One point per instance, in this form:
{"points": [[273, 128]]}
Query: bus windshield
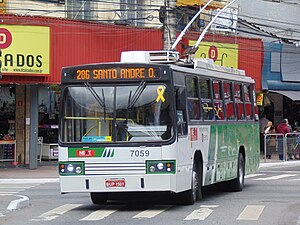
{"points": [[135, 113]]}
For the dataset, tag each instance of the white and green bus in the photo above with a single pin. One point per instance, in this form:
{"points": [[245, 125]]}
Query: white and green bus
{"points": [[147, 127]]}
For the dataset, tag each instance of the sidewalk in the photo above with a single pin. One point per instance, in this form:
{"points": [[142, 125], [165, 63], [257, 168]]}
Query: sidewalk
{"points": [[20, 174]]}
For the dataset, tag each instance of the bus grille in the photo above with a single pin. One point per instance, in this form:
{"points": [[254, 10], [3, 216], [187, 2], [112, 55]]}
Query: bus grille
{"points": [[115, 168]]}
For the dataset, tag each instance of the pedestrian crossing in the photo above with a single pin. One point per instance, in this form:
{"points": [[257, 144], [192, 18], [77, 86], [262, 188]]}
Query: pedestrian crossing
{"points": [[12, 189], [15, 186], [269, 177], [202, 213]]}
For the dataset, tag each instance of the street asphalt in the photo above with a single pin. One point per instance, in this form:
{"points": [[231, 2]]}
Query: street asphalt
{"points": [[49, 172]]}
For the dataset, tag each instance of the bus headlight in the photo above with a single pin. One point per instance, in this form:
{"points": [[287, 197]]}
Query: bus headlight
{"points": [[160, 167], [71, 168]]}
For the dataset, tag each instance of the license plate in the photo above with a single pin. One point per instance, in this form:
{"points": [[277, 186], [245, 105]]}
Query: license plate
{"points": [[115, 183]]}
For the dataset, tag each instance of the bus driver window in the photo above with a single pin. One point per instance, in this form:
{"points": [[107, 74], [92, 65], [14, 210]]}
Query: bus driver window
{"points": [[181, 111]]}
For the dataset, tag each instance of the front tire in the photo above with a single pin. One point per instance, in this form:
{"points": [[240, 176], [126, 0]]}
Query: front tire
{"points": [[98, 198], [238, 183], [189, 197]]}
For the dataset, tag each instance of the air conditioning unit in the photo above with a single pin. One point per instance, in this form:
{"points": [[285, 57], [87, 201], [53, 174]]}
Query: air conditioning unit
{"points": [[150, 56]]}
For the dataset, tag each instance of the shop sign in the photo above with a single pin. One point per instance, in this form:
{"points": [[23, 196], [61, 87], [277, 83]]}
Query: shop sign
{"points": [[222, 54], [214, 4], [25, 49], [259, 99], [55, 88], [2, 6]]}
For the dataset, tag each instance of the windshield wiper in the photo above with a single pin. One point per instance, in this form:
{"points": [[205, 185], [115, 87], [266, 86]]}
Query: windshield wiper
{"points": [[97, 97], [132, 100], [136, 94]]}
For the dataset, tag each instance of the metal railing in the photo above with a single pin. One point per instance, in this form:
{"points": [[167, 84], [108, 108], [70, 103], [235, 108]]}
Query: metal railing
{"points": [[286, 146]]}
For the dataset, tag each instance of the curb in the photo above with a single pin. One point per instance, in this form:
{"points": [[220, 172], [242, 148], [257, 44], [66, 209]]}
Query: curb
{"points": [[29, 180], [19, 203]]}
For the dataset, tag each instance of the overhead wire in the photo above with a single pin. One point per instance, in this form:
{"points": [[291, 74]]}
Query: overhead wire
{"points": [[259, 33]]}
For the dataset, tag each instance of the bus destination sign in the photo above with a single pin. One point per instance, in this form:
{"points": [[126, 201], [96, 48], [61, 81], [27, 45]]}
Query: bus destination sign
{"points": [[125, 73]]}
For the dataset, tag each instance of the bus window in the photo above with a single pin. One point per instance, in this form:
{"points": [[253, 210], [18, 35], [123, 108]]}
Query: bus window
{"points": [[218, 102], [239, 102], [206, 102], [228, 98], [253, 100], [182, 128], [248, 103], [193, 98]]}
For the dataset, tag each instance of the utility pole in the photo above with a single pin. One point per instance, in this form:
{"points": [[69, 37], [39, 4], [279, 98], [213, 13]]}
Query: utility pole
{"points": [[169, 23]]}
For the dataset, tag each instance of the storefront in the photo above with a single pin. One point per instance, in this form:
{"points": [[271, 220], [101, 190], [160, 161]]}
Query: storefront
{"points": [[7, 123], [31, 74], [236, 52], [281, 84]]}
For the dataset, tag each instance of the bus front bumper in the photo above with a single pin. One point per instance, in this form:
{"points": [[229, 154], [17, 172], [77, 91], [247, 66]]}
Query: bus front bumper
{"points": [[121, 183]]}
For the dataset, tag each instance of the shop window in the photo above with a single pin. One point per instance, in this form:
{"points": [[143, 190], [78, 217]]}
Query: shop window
{"points": [[193, 98], [228, 98], [218, 101], [206, 101], [7, 112], [49, 100]]}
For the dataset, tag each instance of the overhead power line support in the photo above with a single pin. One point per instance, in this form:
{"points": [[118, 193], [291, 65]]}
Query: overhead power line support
{"points": [[188, 25]]}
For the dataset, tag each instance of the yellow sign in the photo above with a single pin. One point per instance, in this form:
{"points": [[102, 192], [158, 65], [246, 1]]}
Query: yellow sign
{"points": [[25, 49], [222, 54], [259, 99], [213, 4], [2, 6]]}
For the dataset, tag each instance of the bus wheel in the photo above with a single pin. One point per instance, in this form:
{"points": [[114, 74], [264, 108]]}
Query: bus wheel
{"points": [[98, 198], [238, 183], [190, 197]]}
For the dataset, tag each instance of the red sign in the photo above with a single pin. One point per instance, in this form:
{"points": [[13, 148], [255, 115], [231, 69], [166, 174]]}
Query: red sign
{"points": [[213, 53], [5, 38], [194, 134], [115, 183], [85, 153]]}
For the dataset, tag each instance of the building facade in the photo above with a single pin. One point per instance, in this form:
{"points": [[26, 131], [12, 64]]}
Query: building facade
{"points": [[31, 73], [280, 75]]}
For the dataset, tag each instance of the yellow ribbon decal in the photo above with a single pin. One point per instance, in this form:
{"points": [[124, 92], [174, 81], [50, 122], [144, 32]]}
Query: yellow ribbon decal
{"points": [[160, 92]]}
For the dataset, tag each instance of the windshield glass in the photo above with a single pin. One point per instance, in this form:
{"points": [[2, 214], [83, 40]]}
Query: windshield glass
{"points": [[137, 113]]}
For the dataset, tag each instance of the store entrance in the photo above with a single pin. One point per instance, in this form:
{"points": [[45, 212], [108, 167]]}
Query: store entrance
{"points": [[49, 98], [291, 111], [7, 123]]}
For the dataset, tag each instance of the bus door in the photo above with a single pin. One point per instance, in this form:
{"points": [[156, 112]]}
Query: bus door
{"points": [[183, 151]]}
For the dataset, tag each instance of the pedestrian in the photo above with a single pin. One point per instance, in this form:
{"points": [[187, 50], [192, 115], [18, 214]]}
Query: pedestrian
{"points": [[270, 139], [262, 124], [282, 128]]}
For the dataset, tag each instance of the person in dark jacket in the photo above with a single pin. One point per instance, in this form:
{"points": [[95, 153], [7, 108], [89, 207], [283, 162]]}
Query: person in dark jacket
{"points": [[282, 128]]}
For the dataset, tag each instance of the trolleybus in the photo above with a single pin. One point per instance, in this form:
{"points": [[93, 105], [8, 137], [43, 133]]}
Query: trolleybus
{"points": [[145, 127]]}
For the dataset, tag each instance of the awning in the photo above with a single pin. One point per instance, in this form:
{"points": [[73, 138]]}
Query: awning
{"points": [[294, 95], [213, 5]]}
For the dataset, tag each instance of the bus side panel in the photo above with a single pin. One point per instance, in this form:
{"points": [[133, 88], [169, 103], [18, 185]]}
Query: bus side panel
{"points": [[220, 145]]}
